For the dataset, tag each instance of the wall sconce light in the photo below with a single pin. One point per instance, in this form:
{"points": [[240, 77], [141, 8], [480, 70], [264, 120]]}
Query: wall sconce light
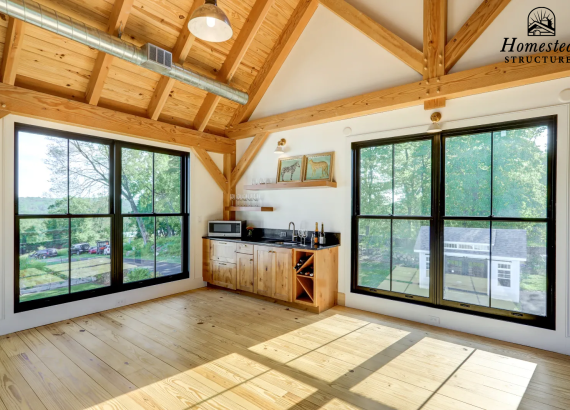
{"points": [[280, 146], [435, 127]]}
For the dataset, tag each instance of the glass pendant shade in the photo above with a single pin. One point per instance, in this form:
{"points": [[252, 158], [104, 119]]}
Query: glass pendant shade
{"points": [[210, 23]]}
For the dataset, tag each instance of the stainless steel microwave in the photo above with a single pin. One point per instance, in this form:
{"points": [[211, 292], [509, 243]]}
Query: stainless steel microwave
{"points": [[226, 229]]}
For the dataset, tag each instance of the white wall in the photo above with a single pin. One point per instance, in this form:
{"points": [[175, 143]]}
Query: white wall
{"points": [[332, 206], [205, 204]]}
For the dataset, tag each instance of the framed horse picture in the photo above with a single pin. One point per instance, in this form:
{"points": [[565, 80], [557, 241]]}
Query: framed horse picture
{"points": [[319, 167], [290, 169]]}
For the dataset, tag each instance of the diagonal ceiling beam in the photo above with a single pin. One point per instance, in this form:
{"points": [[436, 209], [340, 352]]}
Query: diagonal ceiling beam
{"points": [[206, 160], [233, 60], [179, 53], [435, 37], [34, 104], [118, 19], [12, 48], [469, 82], [248, 156], [377, 33], [288, 38], [472, 30]]}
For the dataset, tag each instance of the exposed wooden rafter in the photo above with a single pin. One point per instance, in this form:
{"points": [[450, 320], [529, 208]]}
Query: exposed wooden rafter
{"points": [[472, 30], [179, 53], [377, 33], [469, 82], [248, 156], [12, 49], [435, 37], [38, 105], [206, 160], [291, 33], [117, 21], [233, 60]]}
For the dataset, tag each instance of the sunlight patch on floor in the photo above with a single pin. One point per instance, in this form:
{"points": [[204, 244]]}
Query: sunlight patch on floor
{"points": [[352, 361]]}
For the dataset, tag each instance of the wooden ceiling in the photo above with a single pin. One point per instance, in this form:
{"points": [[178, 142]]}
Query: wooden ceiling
{"points": [[55, 65]]}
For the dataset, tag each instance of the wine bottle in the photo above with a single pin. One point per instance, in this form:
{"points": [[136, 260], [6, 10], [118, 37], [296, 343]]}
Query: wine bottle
{"points": [[316, 233], [322, 240]]}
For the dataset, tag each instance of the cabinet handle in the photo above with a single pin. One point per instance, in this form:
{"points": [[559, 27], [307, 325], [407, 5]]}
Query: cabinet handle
{"points": [[222, 264]]}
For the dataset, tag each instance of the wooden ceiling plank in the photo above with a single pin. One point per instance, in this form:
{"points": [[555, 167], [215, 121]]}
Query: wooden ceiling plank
{"points": [[480, 80], [33, 104], [206, 160], [117, 21], [472, 30], [435, 37], [392, 43], [248, 156], [12, 50], [232, 62], [291, 33], [179, 53]]}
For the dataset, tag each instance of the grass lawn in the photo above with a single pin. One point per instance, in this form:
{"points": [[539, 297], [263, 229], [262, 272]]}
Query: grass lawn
{"points": [[60, 291], [534, 283], [30, 282]]}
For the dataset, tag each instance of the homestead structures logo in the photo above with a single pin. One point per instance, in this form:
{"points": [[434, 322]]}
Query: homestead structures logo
{"points": [[541, 22]]}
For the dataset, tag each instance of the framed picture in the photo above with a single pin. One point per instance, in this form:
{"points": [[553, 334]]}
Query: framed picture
{"points": [[319, 167], [290, 169]]}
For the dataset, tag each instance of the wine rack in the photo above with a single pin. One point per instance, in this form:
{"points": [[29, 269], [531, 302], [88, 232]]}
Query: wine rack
{"points": [[304, 290]]}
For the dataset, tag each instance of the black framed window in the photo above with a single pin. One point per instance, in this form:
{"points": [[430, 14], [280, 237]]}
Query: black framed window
{"points": [[463, 220], [95, 216]]}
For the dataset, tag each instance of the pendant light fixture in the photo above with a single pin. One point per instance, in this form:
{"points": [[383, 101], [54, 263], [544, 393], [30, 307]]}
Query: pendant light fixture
{"points": [[210, 23]]}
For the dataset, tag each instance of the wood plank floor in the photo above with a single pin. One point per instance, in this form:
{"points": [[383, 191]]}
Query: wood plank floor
{"points": [[211, 349]]}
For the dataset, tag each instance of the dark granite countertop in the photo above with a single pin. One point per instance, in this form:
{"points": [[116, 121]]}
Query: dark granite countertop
{"points": [[272, 237], [273, 242]]}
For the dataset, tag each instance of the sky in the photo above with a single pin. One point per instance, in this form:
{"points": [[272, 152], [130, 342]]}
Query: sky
{"points": [[33, 173]]}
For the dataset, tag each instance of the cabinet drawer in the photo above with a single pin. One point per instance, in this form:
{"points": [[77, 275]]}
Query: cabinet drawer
{"points": [[244, 248], [223, 251], [224, 274]]}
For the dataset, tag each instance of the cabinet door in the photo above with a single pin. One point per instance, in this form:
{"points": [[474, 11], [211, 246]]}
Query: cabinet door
{"points": [[264, 267], [224, 274], [283, 275], [245, 273], [223, 251], [206, 262]]}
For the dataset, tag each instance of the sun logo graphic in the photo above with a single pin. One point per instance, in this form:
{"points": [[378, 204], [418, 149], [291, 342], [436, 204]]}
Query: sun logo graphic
{"points": [[541, 22]]}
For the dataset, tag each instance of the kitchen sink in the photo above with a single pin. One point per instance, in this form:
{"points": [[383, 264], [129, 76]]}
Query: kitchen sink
{"points": [[283, 243]]}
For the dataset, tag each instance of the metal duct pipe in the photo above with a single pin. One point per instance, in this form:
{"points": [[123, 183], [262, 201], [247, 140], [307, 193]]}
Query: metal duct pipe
{"points": [[46, 18]]}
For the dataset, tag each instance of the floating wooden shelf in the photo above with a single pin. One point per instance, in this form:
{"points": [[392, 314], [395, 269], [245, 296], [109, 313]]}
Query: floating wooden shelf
{"points": [[250, 208], [291, 185]]}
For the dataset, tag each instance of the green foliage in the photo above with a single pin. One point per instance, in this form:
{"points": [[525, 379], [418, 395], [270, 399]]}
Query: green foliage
{"points": [[35, 205], [137, 274]]}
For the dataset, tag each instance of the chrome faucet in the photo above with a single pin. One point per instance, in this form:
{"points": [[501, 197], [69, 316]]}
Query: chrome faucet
{"points": [[293, 237]]}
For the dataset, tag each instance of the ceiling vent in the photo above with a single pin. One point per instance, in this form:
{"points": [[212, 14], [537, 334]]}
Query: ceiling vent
{"points": [[157, 56]]}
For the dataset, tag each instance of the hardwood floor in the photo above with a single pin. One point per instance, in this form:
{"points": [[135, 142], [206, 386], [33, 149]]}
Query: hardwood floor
{"points": [[212, 349]]}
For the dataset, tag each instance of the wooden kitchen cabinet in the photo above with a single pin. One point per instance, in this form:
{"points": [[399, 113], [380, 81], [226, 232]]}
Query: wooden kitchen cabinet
{"points": [[270, 272], [223, 251], [224, 274], [264, 266], [245, 273], [274, 270], [282, 276]]}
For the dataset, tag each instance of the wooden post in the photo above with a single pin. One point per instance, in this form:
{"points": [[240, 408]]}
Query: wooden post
{"points": [[229, 165]]}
